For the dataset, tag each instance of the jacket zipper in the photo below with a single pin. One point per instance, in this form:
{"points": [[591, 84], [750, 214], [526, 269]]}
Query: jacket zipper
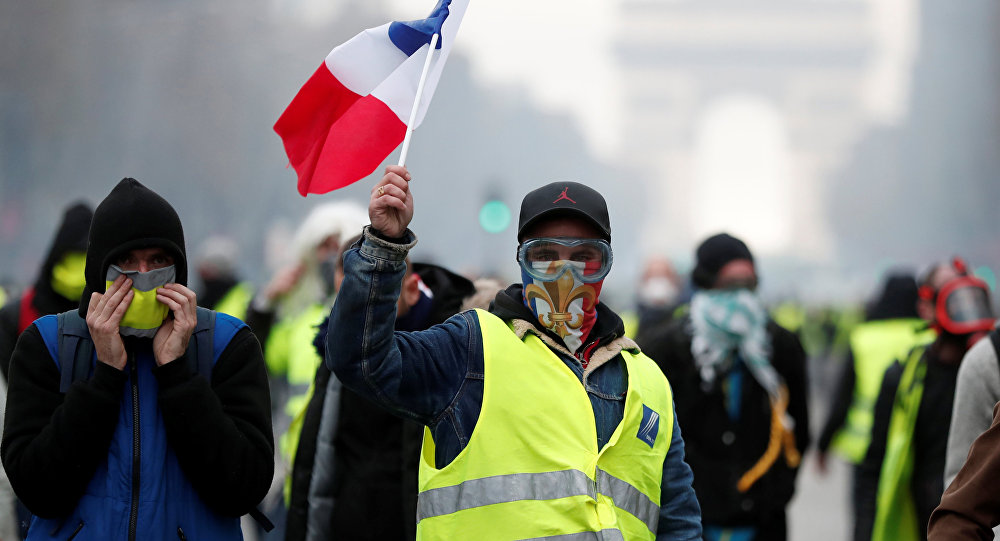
{"points": [[76, 531], [180, 534], [133, 518]]}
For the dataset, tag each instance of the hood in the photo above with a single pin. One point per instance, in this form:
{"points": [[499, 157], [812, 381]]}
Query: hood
{"points": [[71, 236], [897, 300], [131, 216], [447, 291], [509, 304], [340, 219]]}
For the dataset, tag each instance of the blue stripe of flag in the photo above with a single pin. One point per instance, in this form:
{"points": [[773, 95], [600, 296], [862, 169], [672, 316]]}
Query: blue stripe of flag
{"points": [[410, 36]]}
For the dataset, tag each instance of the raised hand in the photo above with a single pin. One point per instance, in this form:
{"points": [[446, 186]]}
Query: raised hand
{"points": [[171, 340], [104, 315], [391, 206]]}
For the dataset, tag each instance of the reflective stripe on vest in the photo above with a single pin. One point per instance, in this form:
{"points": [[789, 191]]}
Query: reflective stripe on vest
{"points": [[532, 469], [536, 486], [895, 510], [603, 535], [875, 345]]}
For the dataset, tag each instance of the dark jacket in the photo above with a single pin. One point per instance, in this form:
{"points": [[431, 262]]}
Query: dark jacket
{"points": [[721, 450], [217, 431], [356, 466], [68, 455], [71, 236]]}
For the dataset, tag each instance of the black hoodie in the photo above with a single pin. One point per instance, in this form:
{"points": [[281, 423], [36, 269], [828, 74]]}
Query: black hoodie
{"points": [[71, 236], [218, 428]]}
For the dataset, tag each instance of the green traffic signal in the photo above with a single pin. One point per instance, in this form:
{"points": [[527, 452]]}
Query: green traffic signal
{"points": [[494, 216]]}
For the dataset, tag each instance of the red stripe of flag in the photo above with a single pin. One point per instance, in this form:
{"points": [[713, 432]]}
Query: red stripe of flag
{"points": [[333, 137]]}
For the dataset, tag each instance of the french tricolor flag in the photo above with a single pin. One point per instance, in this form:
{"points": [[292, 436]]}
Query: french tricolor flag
{"points": [[353, 111]]}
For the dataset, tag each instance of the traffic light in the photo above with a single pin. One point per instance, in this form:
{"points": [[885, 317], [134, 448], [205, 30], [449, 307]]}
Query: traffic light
{"points": [[494, 216]]}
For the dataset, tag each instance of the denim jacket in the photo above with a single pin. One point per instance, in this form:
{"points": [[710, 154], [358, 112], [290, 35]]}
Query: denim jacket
{"points": [[436, 376]]}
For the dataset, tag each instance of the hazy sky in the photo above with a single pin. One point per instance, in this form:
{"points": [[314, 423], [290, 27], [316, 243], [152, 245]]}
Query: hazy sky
{"points": [[563, 58]]}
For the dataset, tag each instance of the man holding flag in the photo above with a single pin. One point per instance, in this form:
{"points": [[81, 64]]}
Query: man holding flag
{"points": [[543, 420]]}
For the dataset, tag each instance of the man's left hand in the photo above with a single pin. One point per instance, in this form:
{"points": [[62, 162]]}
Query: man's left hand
{"points": [[171, 341]]}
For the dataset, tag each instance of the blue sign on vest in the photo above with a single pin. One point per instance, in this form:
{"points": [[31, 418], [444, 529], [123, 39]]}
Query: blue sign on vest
{"points": [[650, 425]]}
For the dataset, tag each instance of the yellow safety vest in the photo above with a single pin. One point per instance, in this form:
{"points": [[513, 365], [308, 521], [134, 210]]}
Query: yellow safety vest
{"points": [[895, 511], [532, 468], [236, 301], [876, 344]]}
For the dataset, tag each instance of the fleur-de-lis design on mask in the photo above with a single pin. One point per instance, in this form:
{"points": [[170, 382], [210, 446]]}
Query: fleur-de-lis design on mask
{"points": [[559, 294]]}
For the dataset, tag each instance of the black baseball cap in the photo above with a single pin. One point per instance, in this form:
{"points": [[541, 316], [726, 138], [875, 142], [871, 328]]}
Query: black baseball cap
{"points": [[570, 199]]}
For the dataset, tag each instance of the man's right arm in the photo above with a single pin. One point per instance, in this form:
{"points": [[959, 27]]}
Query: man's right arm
{"points": [[416, 374], [54, 442]]}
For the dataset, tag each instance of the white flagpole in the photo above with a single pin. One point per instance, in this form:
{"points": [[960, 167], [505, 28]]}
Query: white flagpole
{"points": [[416, 101]]}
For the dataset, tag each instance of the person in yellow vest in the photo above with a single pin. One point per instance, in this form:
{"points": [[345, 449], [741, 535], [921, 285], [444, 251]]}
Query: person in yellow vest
{"points": [[542, 419], [891, 329], [285, 315], [901, 478]]}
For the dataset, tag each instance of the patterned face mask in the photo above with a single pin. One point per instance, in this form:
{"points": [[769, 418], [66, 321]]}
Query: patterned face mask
{"points": [[565, 305], [727, 322], [68, 277], [145, 314]]}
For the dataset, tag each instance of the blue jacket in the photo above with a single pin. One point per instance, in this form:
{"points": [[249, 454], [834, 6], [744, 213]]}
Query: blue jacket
{"points": [[150, 483], [436, 376]]}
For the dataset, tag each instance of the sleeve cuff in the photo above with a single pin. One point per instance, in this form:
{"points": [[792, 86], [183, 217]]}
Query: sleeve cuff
{"points": [[108, 378], [376, 245], [173, 373]]}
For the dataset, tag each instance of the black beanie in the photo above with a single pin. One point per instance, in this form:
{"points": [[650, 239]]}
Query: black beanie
{"points": [[131, 216], [713, 254]]}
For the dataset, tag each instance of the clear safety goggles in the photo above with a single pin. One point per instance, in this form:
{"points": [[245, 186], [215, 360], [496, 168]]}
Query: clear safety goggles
{"points": [[546, 259]]}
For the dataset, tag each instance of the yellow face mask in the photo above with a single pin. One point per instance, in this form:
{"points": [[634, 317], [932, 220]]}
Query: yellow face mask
{"points": [[145, 314], [68, 278]]}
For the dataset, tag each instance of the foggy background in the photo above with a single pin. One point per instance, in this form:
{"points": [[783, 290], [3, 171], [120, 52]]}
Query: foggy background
{"points": [[839, 138]]}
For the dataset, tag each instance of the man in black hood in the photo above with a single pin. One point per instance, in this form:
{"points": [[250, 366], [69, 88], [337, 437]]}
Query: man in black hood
{"points": [[137, 415], [58, 285]]}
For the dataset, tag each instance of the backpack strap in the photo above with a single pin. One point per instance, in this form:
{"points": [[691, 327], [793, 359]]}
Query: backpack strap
{"points": [[74, 343], [76, 349], [200, 354]]}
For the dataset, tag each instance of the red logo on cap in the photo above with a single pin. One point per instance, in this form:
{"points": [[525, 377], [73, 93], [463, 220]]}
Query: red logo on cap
{"points": [[564, 196]]}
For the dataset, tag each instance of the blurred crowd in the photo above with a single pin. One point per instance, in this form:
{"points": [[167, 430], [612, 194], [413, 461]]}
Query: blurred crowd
{"points": [[902, 386]]}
